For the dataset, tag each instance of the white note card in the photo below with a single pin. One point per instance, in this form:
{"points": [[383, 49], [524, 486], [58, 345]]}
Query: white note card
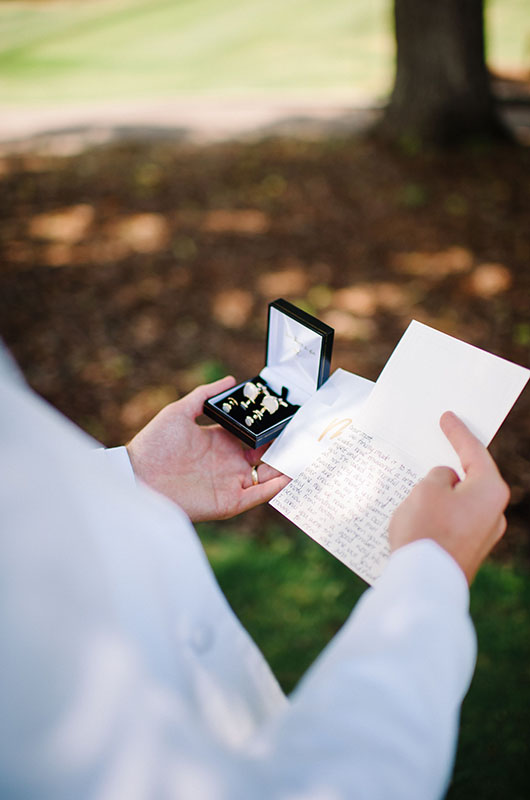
{"points": [[345, 497], [428, 373]]}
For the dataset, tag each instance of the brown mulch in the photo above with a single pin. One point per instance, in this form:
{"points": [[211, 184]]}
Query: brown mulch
{"points": [[131, 272]]}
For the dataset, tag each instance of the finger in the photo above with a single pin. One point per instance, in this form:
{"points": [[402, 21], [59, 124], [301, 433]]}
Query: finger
{"points": [[193, 402], [264, 474], [478, 464], [255, 456], [472, 453], [267, 473], [501, 528], [443, 476], [262, 492]]}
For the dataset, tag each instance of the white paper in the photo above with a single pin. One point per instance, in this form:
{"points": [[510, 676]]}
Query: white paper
{"points": [[428, 373], [345, 498], [319, 422]]}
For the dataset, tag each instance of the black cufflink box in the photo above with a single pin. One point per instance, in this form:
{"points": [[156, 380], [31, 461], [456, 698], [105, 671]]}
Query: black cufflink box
{"points": [[297, 363]]}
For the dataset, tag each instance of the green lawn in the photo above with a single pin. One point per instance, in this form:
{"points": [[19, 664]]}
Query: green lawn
{"points": [[292, 596], [110, 49], [139, 48]]}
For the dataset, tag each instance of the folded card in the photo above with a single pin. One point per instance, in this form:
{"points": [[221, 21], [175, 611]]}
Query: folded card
{"points": [[428, 373], [344, 499]]}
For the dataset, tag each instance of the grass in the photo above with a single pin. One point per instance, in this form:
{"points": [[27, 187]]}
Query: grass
{"points": [[493, 751], [508, 28], [64, 51], [293, 596], [290, 593]]}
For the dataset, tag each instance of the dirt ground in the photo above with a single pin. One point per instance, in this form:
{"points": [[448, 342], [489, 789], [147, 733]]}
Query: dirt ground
{"points": [[136, 269]]}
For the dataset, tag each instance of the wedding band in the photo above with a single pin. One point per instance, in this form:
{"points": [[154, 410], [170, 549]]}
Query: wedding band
{"points": [[255, 478]]}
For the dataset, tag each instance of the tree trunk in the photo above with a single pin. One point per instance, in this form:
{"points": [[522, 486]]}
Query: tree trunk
{"points": [[442, 89]]}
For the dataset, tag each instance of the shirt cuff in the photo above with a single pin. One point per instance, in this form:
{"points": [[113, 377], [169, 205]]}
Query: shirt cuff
{"points": [[119, 460], [430, 570]]}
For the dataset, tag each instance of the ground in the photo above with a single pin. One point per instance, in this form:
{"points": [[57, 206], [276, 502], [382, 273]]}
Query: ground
{"points": [[135, 269]]}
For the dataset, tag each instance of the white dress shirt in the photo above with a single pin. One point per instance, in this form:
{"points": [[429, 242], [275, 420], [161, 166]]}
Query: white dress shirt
{"points": [[124, 673]]}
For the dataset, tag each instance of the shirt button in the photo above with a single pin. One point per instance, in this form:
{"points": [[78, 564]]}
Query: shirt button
{"points": [[201, 638]]}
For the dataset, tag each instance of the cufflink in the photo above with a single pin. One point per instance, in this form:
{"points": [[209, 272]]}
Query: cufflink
{"points": [[251, 391], [270, 404], [251, 419], [229, 404]]}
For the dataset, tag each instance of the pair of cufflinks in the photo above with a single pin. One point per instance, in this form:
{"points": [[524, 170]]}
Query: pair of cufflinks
{"points": [[252, 391]]}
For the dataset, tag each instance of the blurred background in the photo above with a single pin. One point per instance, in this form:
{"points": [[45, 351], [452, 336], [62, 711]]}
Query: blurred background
{"points": [[168, 167]]}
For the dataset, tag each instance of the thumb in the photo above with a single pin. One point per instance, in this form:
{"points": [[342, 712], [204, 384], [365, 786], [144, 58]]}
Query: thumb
{"points": [[472, 453], [193, 402], [443, 476]]}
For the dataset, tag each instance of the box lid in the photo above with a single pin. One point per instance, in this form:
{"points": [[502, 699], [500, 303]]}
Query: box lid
{"points": [[298, 351]]}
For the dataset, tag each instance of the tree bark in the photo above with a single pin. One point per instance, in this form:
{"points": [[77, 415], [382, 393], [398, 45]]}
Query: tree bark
{"points": [[442, 90]]}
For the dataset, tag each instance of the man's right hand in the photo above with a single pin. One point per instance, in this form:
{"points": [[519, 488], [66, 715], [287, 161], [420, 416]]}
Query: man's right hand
{"points": [[465, 517]]}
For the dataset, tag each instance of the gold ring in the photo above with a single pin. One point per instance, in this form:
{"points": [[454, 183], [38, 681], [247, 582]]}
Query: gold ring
{"points": [[255, 478]]}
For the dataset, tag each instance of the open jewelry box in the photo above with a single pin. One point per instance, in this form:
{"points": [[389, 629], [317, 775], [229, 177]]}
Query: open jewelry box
{"points": [[297, 363]]}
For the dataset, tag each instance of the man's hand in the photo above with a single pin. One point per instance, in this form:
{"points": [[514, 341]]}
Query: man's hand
{"points": [[464, 517], [204, 469]]}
